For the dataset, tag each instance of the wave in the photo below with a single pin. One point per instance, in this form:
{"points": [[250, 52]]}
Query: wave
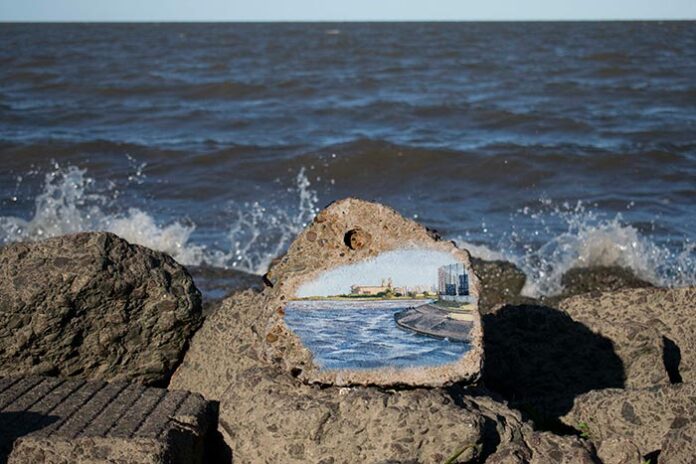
{"points": [[71, 201], [588, 241]]}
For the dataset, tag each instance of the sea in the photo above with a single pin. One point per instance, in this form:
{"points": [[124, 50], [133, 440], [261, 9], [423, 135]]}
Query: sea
{"points": [[552, 145]]}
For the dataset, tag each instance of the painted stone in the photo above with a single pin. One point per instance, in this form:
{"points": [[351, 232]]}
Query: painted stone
{"points": [[367, 297]]}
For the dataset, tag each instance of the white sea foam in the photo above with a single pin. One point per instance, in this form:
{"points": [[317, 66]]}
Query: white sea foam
{"points": [[589, 240], [71, 201]]}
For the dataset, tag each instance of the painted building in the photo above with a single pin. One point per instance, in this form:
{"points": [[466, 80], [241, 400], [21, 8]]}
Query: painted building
{"points": [[453, 283]]}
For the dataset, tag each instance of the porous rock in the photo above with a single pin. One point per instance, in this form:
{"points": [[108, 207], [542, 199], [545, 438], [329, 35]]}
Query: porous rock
{"points": [[320, 247], [94, 306], [271, 412], [653, 330], [501, 282], [643, 416], [619, 451], [270, 417], [679, 445]]}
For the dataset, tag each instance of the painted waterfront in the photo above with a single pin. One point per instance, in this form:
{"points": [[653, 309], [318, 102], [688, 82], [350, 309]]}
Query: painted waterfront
{"points": [[364, 335]]}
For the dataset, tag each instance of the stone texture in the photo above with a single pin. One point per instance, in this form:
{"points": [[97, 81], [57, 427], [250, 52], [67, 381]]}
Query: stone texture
{"points": [[272, 411], [258, 327], [93, 306], [270, 417], [580, 280], [47, 419], [619, 451], [679, 445], [501, 282], [540, 359], [653, 330], [643, 416]]}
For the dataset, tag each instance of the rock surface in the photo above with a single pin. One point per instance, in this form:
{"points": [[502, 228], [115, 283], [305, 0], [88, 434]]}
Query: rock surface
{"points": [[93, 306], [270, 417], [642, 416], [540, 359], [271, 412], [653, 330], [348, 231], [72, 421], [580, 280], [679, 445], [501, 283]]}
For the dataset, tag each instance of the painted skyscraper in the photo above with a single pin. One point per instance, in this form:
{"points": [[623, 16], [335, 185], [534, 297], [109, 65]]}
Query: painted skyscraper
{"points": [[453, 283]]}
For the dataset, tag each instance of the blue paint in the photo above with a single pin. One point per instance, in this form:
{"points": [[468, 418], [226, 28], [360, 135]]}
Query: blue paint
{"points": [[364, 335]]}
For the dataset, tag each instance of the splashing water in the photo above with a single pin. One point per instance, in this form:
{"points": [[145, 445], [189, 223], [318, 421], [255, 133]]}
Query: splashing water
{"points": [[262, 233], [589, 241], [70, 202]]}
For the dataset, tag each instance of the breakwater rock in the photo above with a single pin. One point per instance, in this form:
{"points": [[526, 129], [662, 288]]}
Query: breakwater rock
{"points": [[275, 406], [94, 306]]}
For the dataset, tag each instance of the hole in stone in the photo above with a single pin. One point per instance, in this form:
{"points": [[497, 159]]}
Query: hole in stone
{"points": [[671, 357], [652, 457], [403, 308], [357, 239]]}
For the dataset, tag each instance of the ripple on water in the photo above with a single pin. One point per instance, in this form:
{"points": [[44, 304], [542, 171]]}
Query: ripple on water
{"points": [[366, 338]]}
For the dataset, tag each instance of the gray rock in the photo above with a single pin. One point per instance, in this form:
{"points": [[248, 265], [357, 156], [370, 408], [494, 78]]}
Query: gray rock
{"points": [[679, 445], [93, 306], [271, 411], [501, 282], [540, 359], [653, 330], [619, 451], [270, 417], [322, 246], [642, 416]]}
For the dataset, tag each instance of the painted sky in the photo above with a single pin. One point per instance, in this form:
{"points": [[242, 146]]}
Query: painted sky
{"points": [[335, 10], [407, 268]]}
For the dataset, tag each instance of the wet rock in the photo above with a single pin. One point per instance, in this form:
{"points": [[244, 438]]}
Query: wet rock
{"points": [[643, 416], [501, 283], [93, 306], [216, 284], [652, 329], [600, 279]]}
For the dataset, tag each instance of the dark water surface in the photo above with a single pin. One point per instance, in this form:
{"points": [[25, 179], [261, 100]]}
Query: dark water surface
{"points": [[550, 144]]}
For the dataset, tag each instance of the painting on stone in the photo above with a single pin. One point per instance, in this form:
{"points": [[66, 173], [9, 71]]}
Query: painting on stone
{"points": [[402, 308]]}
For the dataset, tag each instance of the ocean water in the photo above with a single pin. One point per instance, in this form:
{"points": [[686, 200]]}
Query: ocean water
{"points": [[552, 145], [364, 335]]}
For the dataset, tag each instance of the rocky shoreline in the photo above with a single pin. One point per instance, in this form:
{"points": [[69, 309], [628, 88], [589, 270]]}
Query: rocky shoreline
{"points": [[603, 373]]}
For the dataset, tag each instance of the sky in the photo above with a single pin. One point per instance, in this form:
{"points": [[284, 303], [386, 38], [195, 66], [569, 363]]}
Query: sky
{"points": [[406, 268], [342, 10]]}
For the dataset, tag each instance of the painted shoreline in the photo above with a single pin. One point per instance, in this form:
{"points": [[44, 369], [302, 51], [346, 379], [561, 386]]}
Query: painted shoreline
{"points": [[429, 319]]}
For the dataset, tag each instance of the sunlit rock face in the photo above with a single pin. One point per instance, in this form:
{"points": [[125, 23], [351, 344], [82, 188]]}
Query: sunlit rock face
{"points": [[367, 297]]}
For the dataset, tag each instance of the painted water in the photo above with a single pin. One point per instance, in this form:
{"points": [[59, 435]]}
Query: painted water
{"points": [[364, 335]]}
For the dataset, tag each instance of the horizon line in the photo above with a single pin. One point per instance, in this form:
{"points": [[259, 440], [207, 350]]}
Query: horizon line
{"points": [[339, 21]]}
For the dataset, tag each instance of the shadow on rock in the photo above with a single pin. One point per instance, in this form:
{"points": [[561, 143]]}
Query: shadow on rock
{"points": [[14, 425], [539, 360]]}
